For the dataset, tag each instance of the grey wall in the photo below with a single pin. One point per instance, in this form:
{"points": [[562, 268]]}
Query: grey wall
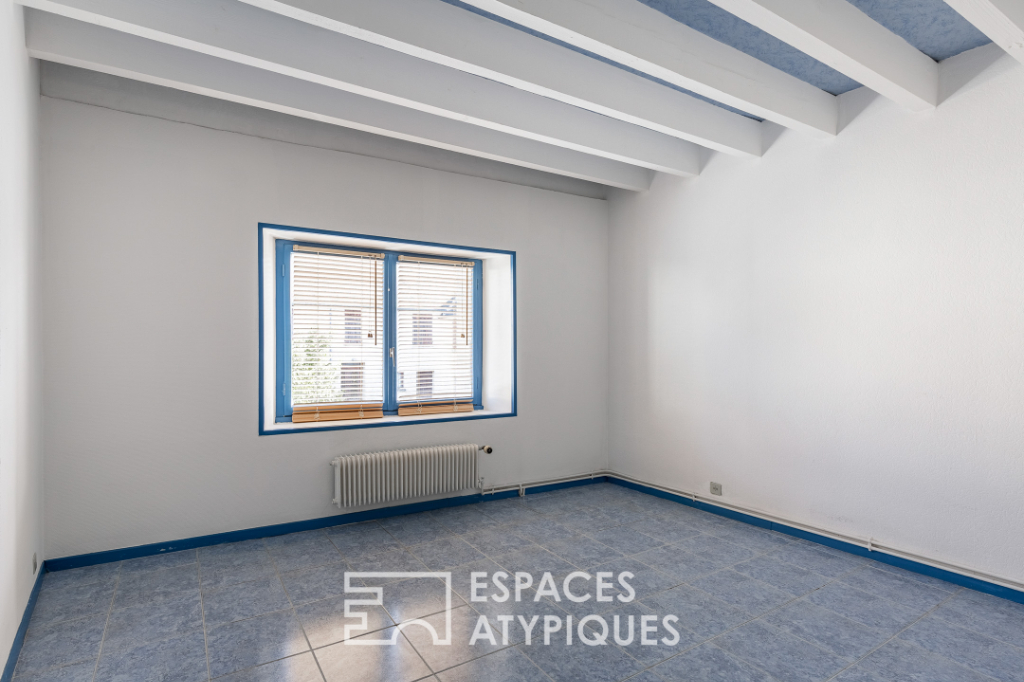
{"points": [[833, 332], [151, 322], [21, 519]]}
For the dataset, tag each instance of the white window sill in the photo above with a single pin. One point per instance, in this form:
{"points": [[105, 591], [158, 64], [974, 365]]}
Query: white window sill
{"points": [[389, 420]]}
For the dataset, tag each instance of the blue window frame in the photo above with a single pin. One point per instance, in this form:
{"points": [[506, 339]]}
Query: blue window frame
{"points": [[283, 315]]}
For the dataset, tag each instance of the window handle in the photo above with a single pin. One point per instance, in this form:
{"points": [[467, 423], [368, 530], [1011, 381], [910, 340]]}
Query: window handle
{"points": [[392, 351]]}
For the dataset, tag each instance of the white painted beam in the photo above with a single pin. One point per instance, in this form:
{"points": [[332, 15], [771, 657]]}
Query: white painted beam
{"points": [[248, 35], [59, 39], [451, 36], [838, 34], [631, 33], [1000, 20]]}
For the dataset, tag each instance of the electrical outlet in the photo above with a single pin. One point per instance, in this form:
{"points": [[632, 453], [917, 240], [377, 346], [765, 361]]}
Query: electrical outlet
{"points": [[716, 488], [35, 564]]}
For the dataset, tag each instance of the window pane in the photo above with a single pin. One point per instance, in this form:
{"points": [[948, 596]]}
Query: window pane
{"points": [[435, 332], [337, 329]]}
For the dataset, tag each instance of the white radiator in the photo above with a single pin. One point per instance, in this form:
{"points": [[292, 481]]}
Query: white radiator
{"points": [[378, 477]]}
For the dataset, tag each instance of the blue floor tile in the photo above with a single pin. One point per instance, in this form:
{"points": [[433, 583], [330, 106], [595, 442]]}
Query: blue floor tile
{"points": [[752, 605], [244, 600], [247, 643], [827, 629], [535, 561], [312, 584], [414, 529], [144, 623], [462, 520], [583, 552], [343, 662], [324, 621], [158, 562], [300, 668], [182, 659], [302, 550], [225, 565], [155, 586], [508, 665], [745, 593], [780, 654], [991, 616], [667, 530], [751, 537], [564, 663], [462, 581], [492, 542], [78, 672], [509, 513], [970, 649], [644, 581], [709, 663], [897, 588], [899, 661], [360, 540], [463, 625], [446, 553], [816, 558], [864, 607], [70, 603], [698, 611], [626, 540], [543, 531], [630, 637], [777, 573], [720, 552], [76, 577], [59, 644], [678, 563], [417, 597]]}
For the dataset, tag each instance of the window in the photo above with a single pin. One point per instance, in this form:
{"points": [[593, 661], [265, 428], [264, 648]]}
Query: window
{"points": [[364, 331], [353, 324]]}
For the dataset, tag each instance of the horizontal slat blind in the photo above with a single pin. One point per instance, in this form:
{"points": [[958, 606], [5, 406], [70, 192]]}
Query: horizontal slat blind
{"points": [[435, 334], [337, 334]]}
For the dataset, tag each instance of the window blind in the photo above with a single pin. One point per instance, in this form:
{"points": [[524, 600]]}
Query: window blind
{"points": [[337, 325], [434, 348]]}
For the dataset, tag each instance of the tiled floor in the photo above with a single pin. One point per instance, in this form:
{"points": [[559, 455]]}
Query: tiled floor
{"points": [[751, 605]]}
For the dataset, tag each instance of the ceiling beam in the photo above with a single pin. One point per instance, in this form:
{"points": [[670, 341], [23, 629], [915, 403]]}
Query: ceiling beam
{"points": [[54, 38], [838, 34], [448, 35], [631, 33], [1000, 20], [248, 35]]}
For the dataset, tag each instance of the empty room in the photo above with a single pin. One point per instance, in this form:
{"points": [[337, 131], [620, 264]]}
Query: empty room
{"points": [[512, 340]]}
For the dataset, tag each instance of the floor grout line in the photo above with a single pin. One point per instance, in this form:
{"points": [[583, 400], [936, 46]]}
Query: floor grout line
{"points": [[291, 603], [901, 631], [202, 612], [110, 610]]}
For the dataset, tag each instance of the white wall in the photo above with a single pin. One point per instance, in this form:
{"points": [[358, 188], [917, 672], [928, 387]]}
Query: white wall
{"points": [[835, 332], [150, 319], [20, 467]]}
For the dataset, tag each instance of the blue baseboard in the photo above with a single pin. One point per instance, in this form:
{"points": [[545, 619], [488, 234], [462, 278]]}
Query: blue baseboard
{"points": [[19, 638], [94, 558], [81, 560], [905, 564]]}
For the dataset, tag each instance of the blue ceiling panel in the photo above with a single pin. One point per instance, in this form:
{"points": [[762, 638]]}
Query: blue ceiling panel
{"points": [[716, 23], [932, 26], [506, 22]]}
